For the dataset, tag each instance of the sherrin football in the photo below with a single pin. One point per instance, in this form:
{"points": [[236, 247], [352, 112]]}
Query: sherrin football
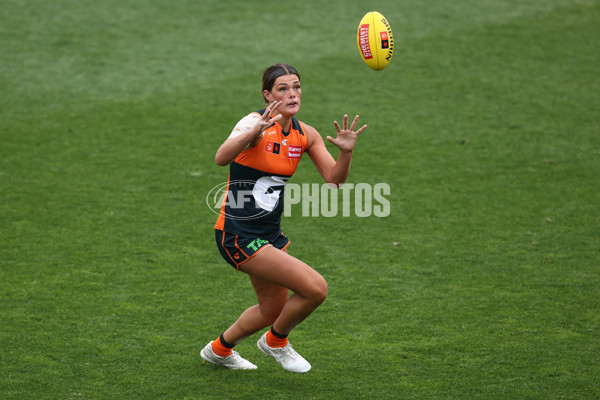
{"points": [[375, 40]]}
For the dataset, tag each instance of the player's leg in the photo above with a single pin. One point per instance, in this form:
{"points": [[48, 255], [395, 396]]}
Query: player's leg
{"points": [[272, 272], [279, 268], [310, 290], [271, 300]]}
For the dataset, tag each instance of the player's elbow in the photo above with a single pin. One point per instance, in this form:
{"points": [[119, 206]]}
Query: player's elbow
{"points": [[334, 185], [221, 160], [335, 181], [335, 178]]}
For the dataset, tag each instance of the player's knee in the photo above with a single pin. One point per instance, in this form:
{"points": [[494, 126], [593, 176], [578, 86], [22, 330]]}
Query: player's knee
{"points": [[322, 295], [318, 292]]}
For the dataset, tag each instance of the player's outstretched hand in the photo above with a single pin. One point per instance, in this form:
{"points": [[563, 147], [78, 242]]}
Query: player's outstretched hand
{"points": [[265, 120], [346, 137]]}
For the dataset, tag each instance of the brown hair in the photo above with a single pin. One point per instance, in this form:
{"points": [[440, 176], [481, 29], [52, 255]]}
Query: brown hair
{"points": [[274, 72]]}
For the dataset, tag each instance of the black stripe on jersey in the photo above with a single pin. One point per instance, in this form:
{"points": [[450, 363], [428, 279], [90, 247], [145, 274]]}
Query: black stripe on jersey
{"points": [[296, 126], [254, 202]]}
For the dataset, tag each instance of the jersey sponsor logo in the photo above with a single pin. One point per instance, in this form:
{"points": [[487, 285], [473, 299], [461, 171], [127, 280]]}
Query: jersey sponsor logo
{"points": [[273, 147], [294, 151]]}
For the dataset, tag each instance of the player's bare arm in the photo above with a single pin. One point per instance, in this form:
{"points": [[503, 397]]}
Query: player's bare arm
{"points": [[332, 171], [232, 147]]}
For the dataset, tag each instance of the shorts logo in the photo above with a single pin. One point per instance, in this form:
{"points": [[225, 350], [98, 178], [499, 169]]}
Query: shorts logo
{"points": [[257, 244], [294, 151], [385, 40], [273, 147]]}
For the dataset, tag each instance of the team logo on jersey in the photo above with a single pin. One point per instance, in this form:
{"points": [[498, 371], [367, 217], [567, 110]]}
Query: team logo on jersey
{"points": [[257, 198], [273, 147], [294, 151]]}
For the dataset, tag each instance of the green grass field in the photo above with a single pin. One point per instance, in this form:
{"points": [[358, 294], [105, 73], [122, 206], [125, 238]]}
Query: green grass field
{"points": [[482, 283]]}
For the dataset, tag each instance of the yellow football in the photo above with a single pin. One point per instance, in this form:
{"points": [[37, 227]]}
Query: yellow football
{"points": [[375, 40]]}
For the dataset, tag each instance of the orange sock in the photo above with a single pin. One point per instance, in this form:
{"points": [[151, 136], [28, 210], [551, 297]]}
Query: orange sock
{"points": [[220, 349], [275, 341]]}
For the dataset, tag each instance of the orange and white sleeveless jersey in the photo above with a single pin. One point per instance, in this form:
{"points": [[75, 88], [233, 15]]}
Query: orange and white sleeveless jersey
{"points": [[253, 201]]}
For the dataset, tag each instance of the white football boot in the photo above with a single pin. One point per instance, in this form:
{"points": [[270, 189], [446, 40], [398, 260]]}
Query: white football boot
{"points": [[286, 356], [233, 361]]}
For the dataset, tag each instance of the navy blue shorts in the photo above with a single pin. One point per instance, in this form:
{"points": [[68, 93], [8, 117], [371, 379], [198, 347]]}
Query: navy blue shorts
{"points": [[236, 249]]}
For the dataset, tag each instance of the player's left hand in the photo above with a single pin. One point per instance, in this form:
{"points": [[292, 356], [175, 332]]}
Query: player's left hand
{"points": [[346, 137]]}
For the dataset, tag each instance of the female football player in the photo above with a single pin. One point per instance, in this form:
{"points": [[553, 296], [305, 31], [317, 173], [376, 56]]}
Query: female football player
{"points": [[262, 153]]}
